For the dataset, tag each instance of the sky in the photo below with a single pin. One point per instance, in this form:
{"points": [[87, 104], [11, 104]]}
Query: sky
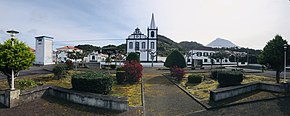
{"points": [[246, 23]]}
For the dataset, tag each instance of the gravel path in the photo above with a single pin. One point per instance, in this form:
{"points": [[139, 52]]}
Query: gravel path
{"points": [[164, 98]]}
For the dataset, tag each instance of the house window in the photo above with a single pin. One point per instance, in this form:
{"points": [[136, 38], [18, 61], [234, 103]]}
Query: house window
{"points": [[152, 34], [143, 45], [130, 45], [152, 45], [39, 41], [205, 60], [93, 57], [226, 60], [205, 54], [137, 46], [218, 60], [188, 60], [199, 54], [211, 53]]}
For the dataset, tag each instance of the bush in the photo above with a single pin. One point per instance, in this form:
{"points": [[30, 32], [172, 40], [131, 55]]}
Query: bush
{"points": [[133, 71], [230, 78], [194, 79], [120, 75], [59, 71], [133, 56], [214, 74], [175, 59], [113, 66], [26, 83], [92, 82], [177, 72], [69, 65]]}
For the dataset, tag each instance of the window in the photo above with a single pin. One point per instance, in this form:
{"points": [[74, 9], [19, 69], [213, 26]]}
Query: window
{"points": [[143, 45], [188, 60], [198, 54], [93, 57], [39, 41], [137, 46], [211, 53], [152, 45], [205, 60], [130, 45], [205, 54], [152, 34], [218, 60], [226, 60]]}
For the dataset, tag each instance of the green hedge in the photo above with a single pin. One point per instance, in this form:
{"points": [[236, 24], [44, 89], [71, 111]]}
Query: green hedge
{"points": [[133, 56], [230, 78], [92, 82], [194, 79], [59, 71]]}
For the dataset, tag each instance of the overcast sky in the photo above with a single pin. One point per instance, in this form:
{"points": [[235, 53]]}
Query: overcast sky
{"points": [[247, 23]]}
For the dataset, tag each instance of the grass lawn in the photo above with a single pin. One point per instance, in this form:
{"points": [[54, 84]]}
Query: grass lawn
{"points": [[202, 90], [133, 92]]}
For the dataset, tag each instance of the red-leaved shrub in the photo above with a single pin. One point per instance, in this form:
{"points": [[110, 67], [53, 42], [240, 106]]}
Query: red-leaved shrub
{"points": [[133, 71], [177, 72]]}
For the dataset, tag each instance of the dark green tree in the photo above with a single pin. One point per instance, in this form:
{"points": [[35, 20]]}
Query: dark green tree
{"points": [[133, 56], [175, 59], [88, 48], [220, 55], [273, 55], [75, 55], [17, 57]]}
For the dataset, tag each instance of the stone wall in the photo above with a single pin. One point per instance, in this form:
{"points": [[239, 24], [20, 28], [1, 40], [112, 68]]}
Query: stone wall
{"points": [[17, 97], [90, 99], [227, 92]]}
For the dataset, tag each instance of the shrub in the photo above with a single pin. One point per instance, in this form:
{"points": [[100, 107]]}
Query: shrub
{"points": [[69, 65], [92, 82], [133, 56], [59, 71], [230, 78], [214, 74], [26, 83], [113, 66], [120, 75], [194, 79], [175, 59], [133, 71], [177, 72]]}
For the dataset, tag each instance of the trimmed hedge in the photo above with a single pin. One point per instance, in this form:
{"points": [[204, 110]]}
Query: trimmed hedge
{"points": [[230, 78], [59, 71], [175, 58], [194, 79], [120, 75], [92, 82]]}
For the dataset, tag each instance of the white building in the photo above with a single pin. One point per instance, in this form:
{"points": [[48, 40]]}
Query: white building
{"points": [[201, 57], [62, 53], [142, 44], [96, 57], [43, 50]]}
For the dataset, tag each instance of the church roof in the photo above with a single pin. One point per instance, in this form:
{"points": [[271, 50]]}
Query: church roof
{"points": [[152, 24], [137, 34]]}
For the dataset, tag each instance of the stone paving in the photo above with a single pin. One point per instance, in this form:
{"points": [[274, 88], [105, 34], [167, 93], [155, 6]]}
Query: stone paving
{"points": [[164, 98]]}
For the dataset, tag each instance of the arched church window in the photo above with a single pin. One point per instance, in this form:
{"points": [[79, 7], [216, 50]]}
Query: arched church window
{"points": [[152, 34]]}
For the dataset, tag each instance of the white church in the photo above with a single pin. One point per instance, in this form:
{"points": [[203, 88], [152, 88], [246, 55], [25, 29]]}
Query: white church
{"points": [[142, 44]]}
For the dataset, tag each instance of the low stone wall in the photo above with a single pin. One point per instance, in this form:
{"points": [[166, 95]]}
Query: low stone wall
{"points": [[90, 99], [15, 98], [227, 92]]}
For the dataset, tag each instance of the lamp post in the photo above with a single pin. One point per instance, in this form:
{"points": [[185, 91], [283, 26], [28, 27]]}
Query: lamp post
{"points": [[12, 33], [285, 49]]}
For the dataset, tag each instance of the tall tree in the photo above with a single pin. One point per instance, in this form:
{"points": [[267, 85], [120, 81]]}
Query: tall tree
{"points": [[14, 58], [273, 55], [175, 59], [75, 55]]}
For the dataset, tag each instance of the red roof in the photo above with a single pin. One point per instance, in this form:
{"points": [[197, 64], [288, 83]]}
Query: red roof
{"points": [[31, 49], [68, 47]]}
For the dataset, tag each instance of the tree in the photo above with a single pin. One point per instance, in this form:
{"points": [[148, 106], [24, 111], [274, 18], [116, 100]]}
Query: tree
{"points": [[133, 56], [175, 59], [220, 55], [88, 48], [14, 58], [75, 55], [273, 55]]}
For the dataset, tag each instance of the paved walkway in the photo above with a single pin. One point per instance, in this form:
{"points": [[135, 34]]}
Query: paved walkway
{"points": [[164, 98]]}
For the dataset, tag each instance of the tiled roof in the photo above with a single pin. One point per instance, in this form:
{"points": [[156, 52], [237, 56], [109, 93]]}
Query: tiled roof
{"points": [[68, 47]]}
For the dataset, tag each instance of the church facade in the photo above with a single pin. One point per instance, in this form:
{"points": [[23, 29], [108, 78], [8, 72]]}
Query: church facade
{"points": [[145, 46]]}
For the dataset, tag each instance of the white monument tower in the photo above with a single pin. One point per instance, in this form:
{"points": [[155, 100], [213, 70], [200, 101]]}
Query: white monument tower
{"points": [[43, 50]]}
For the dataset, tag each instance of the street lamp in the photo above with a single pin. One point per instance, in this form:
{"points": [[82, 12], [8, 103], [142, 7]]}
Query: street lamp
{"points": [[12, 33], [285, 49]]}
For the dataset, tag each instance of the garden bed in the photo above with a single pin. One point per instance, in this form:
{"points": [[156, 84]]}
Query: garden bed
{"points": [[201, 91], [132, 91]]}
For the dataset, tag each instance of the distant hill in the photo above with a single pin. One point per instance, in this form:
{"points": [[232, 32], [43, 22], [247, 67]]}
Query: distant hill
{"points": [[219, 43], [166, 46]]}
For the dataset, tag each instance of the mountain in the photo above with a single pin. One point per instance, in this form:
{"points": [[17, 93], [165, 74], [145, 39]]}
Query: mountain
{"points": [[166, 46], [219, 43]]}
